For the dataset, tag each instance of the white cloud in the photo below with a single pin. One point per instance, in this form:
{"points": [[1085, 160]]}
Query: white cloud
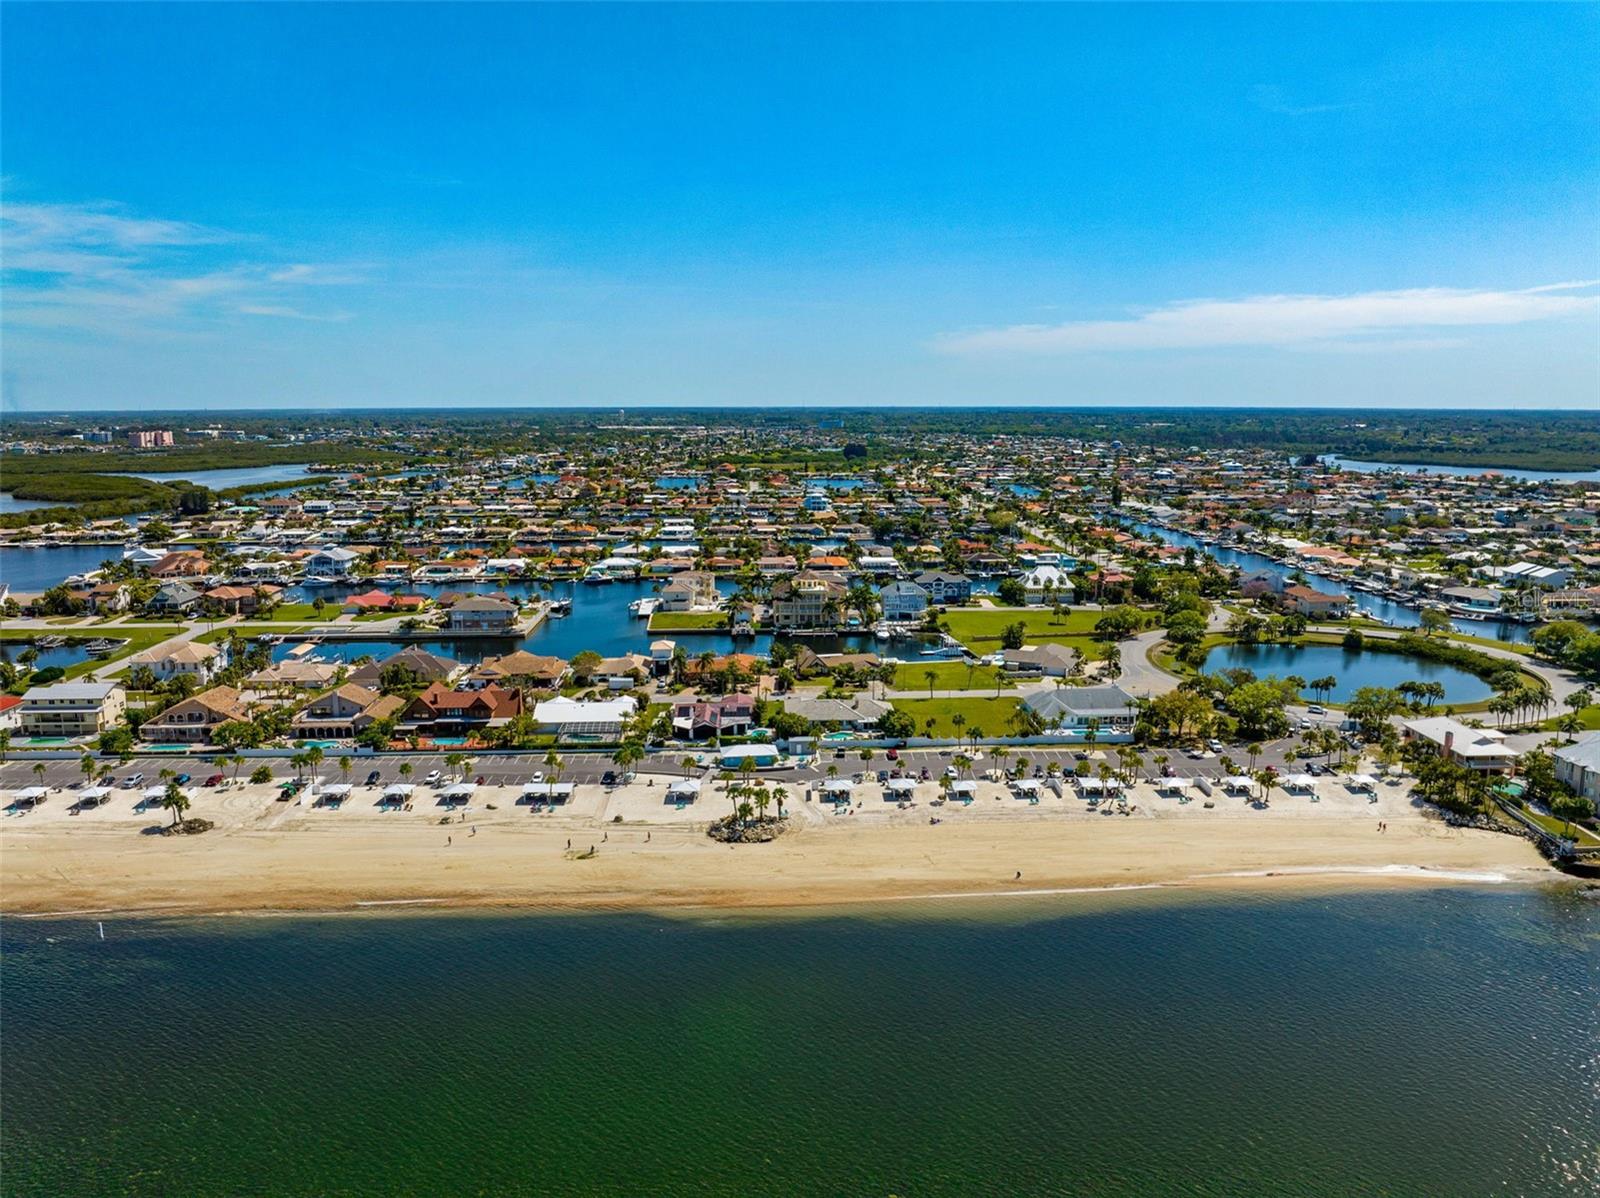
{"points": [[1289, 321], [1270, 97], [100, 269]]}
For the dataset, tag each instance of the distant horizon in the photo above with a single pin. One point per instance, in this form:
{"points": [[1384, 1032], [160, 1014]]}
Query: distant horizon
{"points": [[219, 415]]}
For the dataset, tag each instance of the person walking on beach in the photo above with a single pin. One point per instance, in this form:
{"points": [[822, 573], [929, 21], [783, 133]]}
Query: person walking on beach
{"points": [[448, 841], [1018, 878], [569, 842]]}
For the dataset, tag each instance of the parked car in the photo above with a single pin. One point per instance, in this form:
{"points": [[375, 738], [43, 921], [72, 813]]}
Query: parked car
{"points": [[372, 778], [536, 776], [1316, 709], [434, 778], [214, 780], [182, 779], [609, 778], [1214, 745], [1168, 772], [893, 754], [133, 780]]}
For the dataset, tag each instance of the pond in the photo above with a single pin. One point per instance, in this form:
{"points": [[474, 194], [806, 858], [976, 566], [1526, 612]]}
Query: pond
{"points": [[1353, 670]]}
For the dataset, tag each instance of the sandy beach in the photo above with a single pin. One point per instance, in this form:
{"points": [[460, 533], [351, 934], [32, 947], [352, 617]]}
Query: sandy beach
{"points": [[269, 855]]}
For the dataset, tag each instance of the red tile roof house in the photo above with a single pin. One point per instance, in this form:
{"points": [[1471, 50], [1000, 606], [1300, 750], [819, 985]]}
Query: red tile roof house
{"points": [[439, 710]]}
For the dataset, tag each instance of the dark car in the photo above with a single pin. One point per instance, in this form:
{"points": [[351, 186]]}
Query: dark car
{"points": [[609, 778], [372, 778], [214, 780], [893, 754]]}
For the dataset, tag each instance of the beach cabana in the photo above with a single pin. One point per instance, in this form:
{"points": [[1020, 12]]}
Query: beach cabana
{"points": [[899, 788], [1237, 783], [335, 794], [1090, 785], [30, 796], [964, 791], [152, 794], [683, 790], [1173, 786], [838, 790], [547, 792], [1025, 788], [1363, 784], [93, 796], [1303, 783], [399, 794], [459, 792]]}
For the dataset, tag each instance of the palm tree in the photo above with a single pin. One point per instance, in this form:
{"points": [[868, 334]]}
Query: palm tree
{"points": [[5, 743], [780, 795], [628, 754], [930, 676], [406, 769], [175, 801], [344, 767], [555, 765], [687, 766], [88, 767], [38, 771]]}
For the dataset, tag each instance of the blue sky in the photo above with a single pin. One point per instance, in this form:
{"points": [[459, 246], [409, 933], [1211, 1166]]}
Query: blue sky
{"points": [[287, 205]]}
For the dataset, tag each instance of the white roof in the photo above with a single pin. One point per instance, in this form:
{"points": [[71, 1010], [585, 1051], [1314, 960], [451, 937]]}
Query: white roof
{"points": [[339, 790], [1025, 784], [547, 790], [154, 792], [1363, 781], [1176, 783], [902, 784], [1299, 780], [32, 793], [94, 792], [839, 784], [684, 786], [578, 711], [460, 790], [1233, 781], [965, 787], [400, 790]]}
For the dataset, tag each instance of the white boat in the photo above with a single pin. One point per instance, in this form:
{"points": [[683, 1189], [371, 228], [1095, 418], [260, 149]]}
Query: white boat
{"points": [[644, 608]]}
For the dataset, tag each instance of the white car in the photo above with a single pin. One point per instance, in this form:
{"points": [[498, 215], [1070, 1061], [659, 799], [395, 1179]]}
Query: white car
{"points": [[1214, 745], [434, 778], [536, 776], [949, 771], [1316, 709]]}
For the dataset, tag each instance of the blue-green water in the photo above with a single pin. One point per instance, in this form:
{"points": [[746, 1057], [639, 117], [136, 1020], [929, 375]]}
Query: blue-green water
{"points": [[1437, 1042], [1351, 670]]}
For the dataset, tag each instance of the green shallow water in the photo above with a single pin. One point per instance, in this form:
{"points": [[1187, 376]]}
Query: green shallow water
{"points": [[1416, 1042]]}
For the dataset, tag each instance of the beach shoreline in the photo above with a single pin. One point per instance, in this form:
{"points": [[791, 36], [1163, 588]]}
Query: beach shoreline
{"points": [[265, 856]]}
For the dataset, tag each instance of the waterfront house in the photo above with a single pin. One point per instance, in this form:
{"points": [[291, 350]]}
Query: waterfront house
{"points": [[693, 591], [72, 709], [345, 712], [428, 667], [523, 670], [175, 598], [945, 588], [331, 562], [589, 719], [1313, 604], [1481, 749], [1056, 661], [441, 711], [1045, 582], [1578, 765], [903, 601], [484, 613], [1109, 709], [190, 659], [808, 601], [699, 719], [241, 600], [853, 714], [192, 720]]}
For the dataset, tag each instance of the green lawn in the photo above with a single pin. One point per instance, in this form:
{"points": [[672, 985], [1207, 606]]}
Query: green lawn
{"points": [[296, 611], [687, 621], [988, 714], [1589, 716], [980, 629], [948, 676]]}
